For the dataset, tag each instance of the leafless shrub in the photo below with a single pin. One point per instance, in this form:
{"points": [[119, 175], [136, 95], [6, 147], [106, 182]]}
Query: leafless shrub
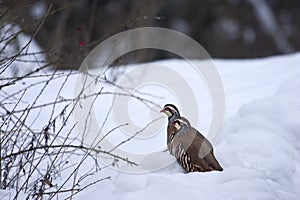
{"points": [[37, 148], [33, 160]]}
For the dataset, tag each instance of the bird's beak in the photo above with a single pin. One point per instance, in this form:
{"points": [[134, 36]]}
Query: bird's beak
{"points": [[162, 111]]}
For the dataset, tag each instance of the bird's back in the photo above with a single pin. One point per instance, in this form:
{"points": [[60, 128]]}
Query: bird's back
{"points": [[194, 151]]}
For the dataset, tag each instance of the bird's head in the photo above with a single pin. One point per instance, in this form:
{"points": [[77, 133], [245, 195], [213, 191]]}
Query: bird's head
{"points": [[170, 110]]}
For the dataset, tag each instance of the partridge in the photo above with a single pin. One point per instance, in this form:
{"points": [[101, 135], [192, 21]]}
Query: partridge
{"points": [[191, 149]]}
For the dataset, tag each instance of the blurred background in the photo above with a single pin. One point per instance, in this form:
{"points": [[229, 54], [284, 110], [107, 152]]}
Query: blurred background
{"points": [[68, 30]]}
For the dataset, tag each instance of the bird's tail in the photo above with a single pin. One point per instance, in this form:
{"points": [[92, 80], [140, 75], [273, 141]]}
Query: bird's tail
{"points": [[212, 162]]}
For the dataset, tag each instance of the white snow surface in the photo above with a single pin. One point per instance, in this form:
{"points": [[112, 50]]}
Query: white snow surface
{"points": [[258, 149]]}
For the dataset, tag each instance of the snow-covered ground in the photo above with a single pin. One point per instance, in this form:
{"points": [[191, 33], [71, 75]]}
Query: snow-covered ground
{"points": [[259, 148]]}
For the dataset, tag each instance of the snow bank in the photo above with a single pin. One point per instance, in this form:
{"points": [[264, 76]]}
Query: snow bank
{"points": [[259, 147]]}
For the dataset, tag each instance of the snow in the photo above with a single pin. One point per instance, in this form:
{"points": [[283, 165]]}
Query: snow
{"points": [[258, 149], [30, 55], [10, 194]]}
